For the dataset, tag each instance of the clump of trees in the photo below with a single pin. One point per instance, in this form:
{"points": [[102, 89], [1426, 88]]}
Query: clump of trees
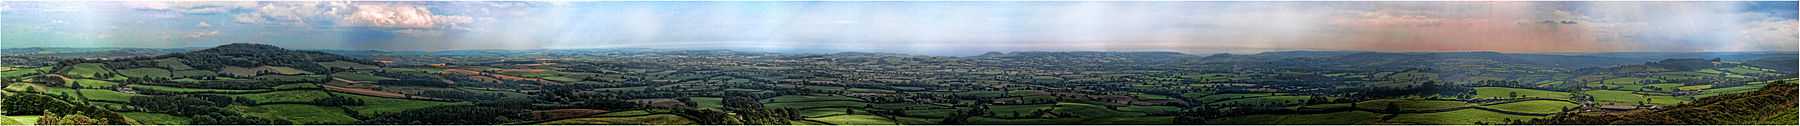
{"points": [[451, 115], [48, 106]]}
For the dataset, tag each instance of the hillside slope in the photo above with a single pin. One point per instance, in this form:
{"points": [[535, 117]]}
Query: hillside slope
{"points": [[1772, 105]]}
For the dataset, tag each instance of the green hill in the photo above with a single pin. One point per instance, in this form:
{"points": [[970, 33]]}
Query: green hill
{"points": [[1773, 105]]}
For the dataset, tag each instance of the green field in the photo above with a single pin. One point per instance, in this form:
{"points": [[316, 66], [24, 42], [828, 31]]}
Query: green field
{"points": [[1149, 109], [1696, 87], [1503, 92], [187, 90], [194, 73], [1269, 100], [1346, 117], [298, 113], [855, 120], [802, 98], [87, 70], [146, 73], [1458, 117], [95, 84], [173, 64], [814, 104], [25, 119], [237, 71], [156, 118], [374, 106], [1381, 104], [1535, 106], [708, 102], [286, 96], [657, 119], [359, 76], [9, 121], [1217, 97], [1627, 98], [106, 95], [283, 70], [989, 120], [347, 65]]}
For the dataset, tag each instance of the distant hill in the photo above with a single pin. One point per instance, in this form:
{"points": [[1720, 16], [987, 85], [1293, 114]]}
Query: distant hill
{"points": [[225, 57]]}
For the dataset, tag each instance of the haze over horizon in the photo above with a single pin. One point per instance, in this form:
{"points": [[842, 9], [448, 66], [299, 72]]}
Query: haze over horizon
{"points": [[916, 27]]}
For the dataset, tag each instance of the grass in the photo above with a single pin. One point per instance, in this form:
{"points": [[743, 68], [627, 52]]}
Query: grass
{"points": [[283, 70], [21, 72], [296, 86], [1503, 92], [1535, 106], [1150, 109], [1729, 90], [1278, 100], [1217, 97], [359, 76], [238, 71], [803, 98], [286, 96], [88, 70], [187, 90], [821, 112], [657, 119], [909, 106], [146, 73], [9, 121], [1627, 98], [815, 104], [156, 118], [193, 73], [350, 65], [1458, 117], [1163, 120], [95, 84], [106, 95], [855, 120], [1667, 87], [708, 102], [988, 120], [1696, 87], [173, 63], [25, 119], [1346, 117], [626, 113], [374, 106], [298, 113], [1411, 104]]}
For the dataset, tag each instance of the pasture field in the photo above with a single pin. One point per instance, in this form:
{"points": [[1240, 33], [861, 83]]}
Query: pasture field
{"points": [[1345, 117], [1407, 104], [814, 104], [1458, 117], [146, 73], [374, 106], [1535, 106], [156, 118], [87, 70], [1504, 92], [286, 96], [298, 113], [855, 120], [656, 119], [803, 98]]}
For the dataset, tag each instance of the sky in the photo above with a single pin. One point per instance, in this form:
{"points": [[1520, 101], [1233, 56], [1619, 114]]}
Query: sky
{"points": [[914, 27]]}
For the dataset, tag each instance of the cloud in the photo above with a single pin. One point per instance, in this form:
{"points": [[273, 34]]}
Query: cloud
{"points": [[200, 34], [401, 16]]}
